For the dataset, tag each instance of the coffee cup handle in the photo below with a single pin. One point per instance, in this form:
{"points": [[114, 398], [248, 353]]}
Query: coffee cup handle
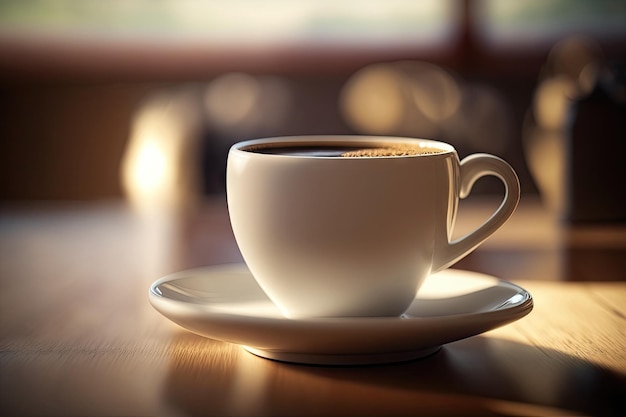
{"points": [[472, 168]]}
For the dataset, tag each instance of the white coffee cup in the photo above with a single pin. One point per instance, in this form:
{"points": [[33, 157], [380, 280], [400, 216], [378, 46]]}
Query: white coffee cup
{"points": [[350, 236]]}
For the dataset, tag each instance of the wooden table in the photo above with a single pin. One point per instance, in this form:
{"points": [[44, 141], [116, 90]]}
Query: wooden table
{"points": [[78, 336]]}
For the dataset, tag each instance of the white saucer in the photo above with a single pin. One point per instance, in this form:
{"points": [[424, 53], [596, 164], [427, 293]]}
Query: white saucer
{"points": [[225, 303]]}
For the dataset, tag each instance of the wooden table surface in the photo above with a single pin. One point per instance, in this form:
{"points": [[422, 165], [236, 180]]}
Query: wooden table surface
{"points": [[79, 338]]}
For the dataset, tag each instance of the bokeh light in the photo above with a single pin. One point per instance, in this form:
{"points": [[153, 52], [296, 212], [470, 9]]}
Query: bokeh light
{"points": [[420, 99], [160, 166], [374, 100], [238, 104], [232, 99]]}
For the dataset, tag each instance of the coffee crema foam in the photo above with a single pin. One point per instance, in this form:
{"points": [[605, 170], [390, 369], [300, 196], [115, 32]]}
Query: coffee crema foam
{"points": [[399, 150]]}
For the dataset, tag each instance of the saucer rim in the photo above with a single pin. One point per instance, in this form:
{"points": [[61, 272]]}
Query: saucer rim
{"points": [[526, 305], [332, 341]]}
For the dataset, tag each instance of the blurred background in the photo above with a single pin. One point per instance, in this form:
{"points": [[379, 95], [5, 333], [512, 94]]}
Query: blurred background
{"points": [[142, 98]]}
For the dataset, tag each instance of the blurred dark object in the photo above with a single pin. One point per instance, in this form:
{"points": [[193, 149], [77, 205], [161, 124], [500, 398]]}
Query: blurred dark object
{"points": [[575, 131], [597, 169]]}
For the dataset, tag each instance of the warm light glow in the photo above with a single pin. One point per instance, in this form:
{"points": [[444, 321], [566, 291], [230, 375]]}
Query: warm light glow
{"points": [[231, 99], [242, 104], [419, 99], [444, 285], [435, 92], [441, 106], [374, 100], [150, 170], [545, 153], [160, 164], [552, 101], [541, 334]]}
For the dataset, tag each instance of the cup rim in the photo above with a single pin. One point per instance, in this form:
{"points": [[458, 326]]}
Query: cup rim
{"points": [[365, 140]]}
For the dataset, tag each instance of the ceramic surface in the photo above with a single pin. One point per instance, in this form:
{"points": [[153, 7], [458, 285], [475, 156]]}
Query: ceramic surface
{"points": [[337, 237], [226, 303]]}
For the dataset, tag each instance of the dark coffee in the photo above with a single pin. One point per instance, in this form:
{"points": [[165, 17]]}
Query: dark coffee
{"points": [[341, 151]]}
